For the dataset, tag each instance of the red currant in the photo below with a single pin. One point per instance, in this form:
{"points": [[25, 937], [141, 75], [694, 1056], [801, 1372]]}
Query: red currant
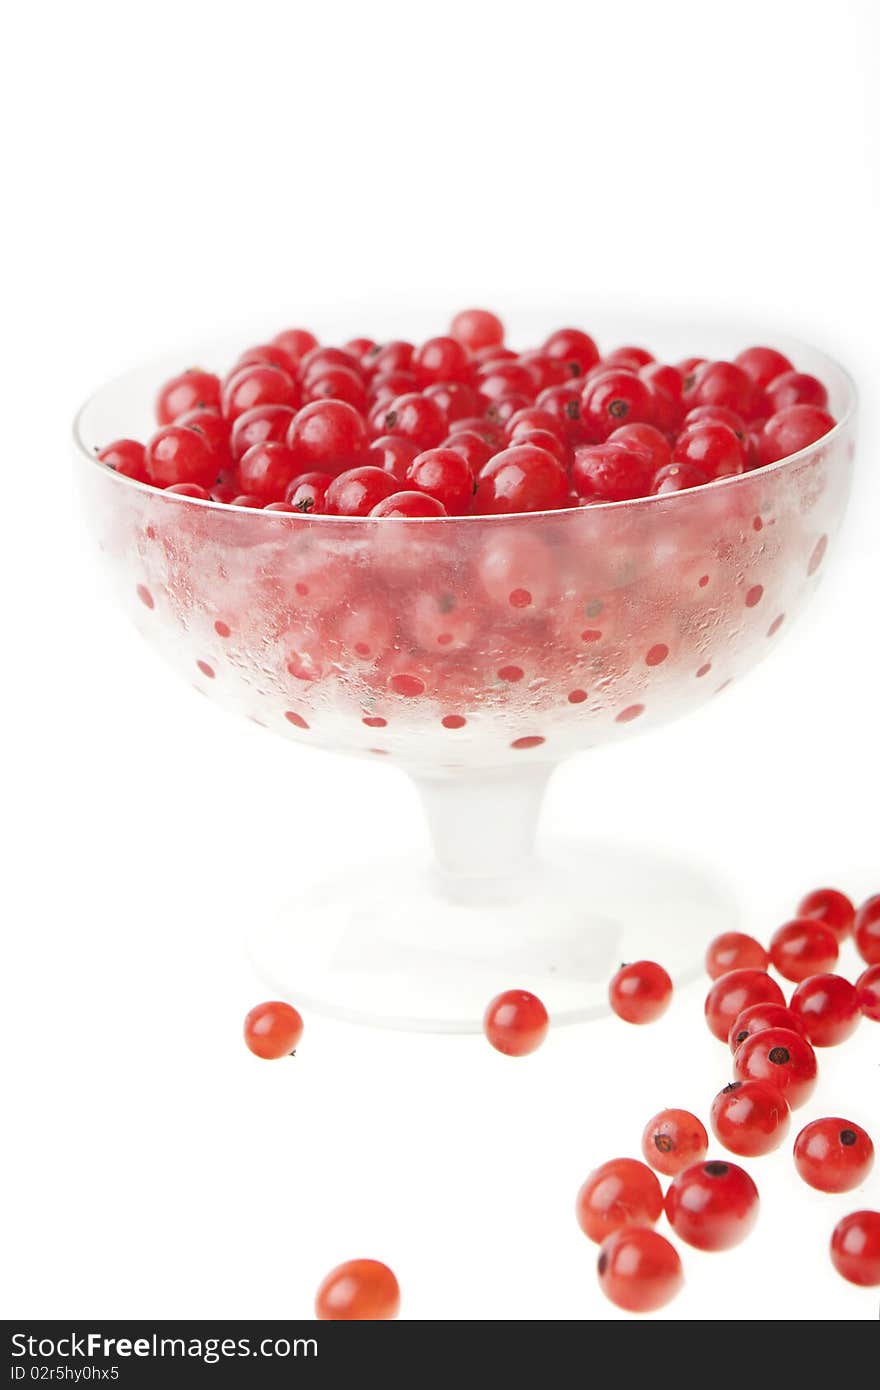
{"points": [[611, 472], [336, 384], [794, 388], [476, 329], [409, 504], [613, 398], [543, 439], [733, 950], [713, 1205], [259, 426], [833, 1155], [673, 1140], [722, 383], [324, 359], [621, 1192], [713, 448], [757, 1017], [828, 1007], [563, 403], [177, 454], [640, 992], [762, 365], [393, 453], [191, 390], [783, 1058], [575, 350], [666, 385], [260, 384], [678, 477], [296, 342], [446, 475], [793, 429], [272, 353], [456, 399], [735, 991], [246, 499], [440, 359], [646, 439], [387, 385], [521, 479], [307, 492], [267, 470], [639, 1270], [273, 1029], [209, 423], [472, 447], [358, 1291], [126, 456], [515, 1022], [868, 988], [498, 380], [831, 907], [717, 415], [328, 436], [855, 1248], [866, 930], [188, 490], [394, 356], [803, 947], [750, 1118], [357, 491], [416, 417]]}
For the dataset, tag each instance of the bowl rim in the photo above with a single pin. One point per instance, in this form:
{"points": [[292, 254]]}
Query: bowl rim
{"points": [[311, 518]]}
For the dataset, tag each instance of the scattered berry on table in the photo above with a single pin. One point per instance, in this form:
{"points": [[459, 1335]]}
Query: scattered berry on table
{"points": [[713, 1205], [734, 991], [640, 992], [783, 1058], [802, 947], [750, 1118], [833, 1155], [734, 950], [639, 1269], [358, 1291], [673, 1140], [828, 1008], [516, 1022], [866, 930], [621, 1192], [273, 1029], [855, 1248]]}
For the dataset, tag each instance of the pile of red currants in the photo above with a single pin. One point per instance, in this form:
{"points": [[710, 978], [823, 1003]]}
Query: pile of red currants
{"points": [[710, 1204], [463, 424]]}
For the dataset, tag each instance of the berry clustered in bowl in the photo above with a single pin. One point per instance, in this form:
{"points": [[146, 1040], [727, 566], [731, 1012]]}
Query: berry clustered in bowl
{"points": [[463, 424]]}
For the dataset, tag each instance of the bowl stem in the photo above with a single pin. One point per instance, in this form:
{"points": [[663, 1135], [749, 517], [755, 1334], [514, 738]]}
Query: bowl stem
{"points": [[483, 823]]}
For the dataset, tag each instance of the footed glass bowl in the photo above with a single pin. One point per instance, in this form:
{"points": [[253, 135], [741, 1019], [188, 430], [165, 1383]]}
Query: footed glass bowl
{"points": [[476, 653]]}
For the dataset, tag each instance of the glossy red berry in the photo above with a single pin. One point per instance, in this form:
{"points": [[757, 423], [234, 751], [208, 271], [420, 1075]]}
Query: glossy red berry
{"points": [[646, 439], [416, 417], [273, 1029], [750, 1118], [713, 1205], [828, 1008], [794, 388], [393, 453], [259, 384], [866, 930], [783, 1058], [830, 906], [456, 399], [336, 384], [259, 426], [666, 385], [673, 1140], [328, 437], [868, 990], [440, 359], [521, 479], [272, 353], [802, 947], [191, 390], [614, 398], [758, 1017], [762, 365], [358, 1291], [543, 439], [621, 1192], [735, 991], [713, 448], [209, 423], [516, 1022], [296, 342], [717, 415], [472, 446], [177, 454], [497, 381], [267, 470], [476, 329], [325, 359], [188, 490], [733, 950], [357, 491], [722, 383], [126, 456], [444, 474], [307, 492], [563, 403], [409, 504], [611, 472], [639, 1270], [793, 428], [575, 350], [640, 992], [833, 1155], [678, 477], [855, 1248]]}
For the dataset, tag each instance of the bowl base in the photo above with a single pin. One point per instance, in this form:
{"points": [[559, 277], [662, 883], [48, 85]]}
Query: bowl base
{"points": [[398, 945]]}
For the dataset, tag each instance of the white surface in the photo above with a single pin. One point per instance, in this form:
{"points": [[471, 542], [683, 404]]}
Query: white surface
{"points": [[166, 182]]}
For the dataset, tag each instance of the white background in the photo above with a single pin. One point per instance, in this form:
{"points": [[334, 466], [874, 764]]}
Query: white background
{"points": [[171, 170]]}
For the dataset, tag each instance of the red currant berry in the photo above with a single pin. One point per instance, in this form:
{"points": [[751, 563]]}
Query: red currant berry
{"points": [[639, 1270], [563, 403], [828, 1007], [191, 390], [336, 384], [713, 448], [611, 472], [394, 454], [387, 385], [733, 950], [515, 1022], [646, 439], [526, 421], [613, 398], [855, 1248], [357, 491], [177, 454], [395, 356], [260, 384], [456, 399], [758, 1017], [866, 930], [545, 371], [307, 492], [666, 385], [440, 359], [521, 479], [496, 381], [750, 1118], [476, 329], [446, 475], [273, 1029], [713, 1205], [803, 947], [360, 347], [271, 353], [717, 415], [793, 429], [634, 358], [678, 477], [833, 1155], [209, 423], [575, 350], [783, 1058], [416, 417], [544, 439], [762, 365], [188, 490], [328, 436], [126, 456], [503, 408], [324, 359], [640, 992], [794, 388], [267, 470], [296, 342], [621, 1192], [409, 504], [868, 989], [831, 907], [735, 991], [673, 1140], [358, 1291], [246, 499], [281, 507], [722, 383], [261, 425], [472, 447]]}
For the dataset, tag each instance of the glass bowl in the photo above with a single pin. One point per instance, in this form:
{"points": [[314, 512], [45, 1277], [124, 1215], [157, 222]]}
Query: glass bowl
{"points": [[476, 653]]}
